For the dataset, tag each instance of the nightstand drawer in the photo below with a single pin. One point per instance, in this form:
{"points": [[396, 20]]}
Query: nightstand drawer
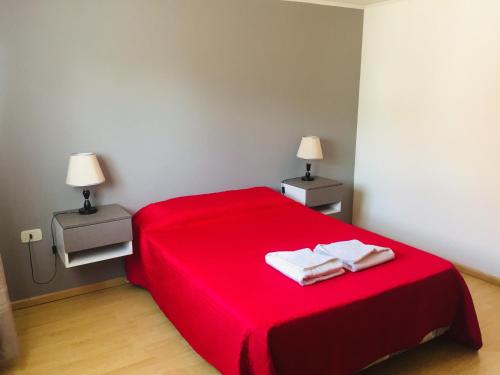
{"points": [[97, 235], [323, 196], [319, 192]]}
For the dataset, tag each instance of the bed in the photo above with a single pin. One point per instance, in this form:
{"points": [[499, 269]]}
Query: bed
{"points": [[202, 259]]}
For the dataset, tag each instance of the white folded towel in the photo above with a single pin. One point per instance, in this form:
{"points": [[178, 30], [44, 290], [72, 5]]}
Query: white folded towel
{"points": [[305, 266], [355, 255]]}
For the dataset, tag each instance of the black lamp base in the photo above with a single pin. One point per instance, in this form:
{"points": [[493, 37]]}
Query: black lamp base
{"points": [[308, 176], [89, 211], [87, 208]]}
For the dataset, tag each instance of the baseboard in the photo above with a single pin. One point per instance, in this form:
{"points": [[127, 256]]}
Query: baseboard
{"points": [[478, 274], [67, 293]]}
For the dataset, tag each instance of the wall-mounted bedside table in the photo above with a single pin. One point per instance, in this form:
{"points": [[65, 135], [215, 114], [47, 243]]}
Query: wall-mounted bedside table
{"points": [[83, 239], [322, 194]]}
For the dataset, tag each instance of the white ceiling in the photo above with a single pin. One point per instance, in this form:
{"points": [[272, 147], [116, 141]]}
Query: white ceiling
{"points": [[360, 4]]}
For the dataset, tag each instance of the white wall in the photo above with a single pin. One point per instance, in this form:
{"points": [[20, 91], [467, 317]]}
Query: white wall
{"points": [[428, 148]]}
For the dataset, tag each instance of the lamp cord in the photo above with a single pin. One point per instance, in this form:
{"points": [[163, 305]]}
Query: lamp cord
{"points": [[54, 247], [33, 271], [54, 250]]}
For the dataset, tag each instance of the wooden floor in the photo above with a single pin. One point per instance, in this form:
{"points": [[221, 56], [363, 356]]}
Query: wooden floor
{"points": [[121, 331]]}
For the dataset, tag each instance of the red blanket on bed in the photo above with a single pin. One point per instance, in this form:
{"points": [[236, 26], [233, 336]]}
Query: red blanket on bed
{"points": [[202, 259]]}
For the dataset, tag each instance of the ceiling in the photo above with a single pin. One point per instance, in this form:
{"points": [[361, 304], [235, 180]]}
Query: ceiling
{"points": [[360, 4]]}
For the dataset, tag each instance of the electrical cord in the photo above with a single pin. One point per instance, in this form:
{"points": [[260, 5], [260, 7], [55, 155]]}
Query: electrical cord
{"points": [[33, 271], [54, 246], [54, 250]]}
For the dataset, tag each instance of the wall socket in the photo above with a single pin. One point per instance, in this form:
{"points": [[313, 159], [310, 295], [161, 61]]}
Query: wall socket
{"points": [[35, 233]]}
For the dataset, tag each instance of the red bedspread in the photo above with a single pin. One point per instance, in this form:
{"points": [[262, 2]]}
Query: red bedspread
{"points": [[202, 259]]}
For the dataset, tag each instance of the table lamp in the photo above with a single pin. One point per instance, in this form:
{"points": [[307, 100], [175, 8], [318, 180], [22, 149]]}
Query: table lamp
{"points": [[309, 149], [84, 171]]}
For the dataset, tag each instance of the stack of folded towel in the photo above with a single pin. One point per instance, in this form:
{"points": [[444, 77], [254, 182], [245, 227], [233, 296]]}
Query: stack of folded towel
{"points": [[355, 255], [326, 261], [305, 266]]}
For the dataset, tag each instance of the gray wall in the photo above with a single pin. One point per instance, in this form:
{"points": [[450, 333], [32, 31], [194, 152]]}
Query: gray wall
{"points": [[177, 97]]}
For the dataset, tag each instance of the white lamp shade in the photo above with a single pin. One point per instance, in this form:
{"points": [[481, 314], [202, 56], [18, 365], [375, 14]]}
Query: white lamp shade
{"points": [[84, 170], [310, 148]]}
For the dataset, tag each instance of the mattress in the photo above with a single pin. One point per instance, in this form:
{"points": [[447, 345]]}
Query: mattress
{"points": [[202, 259]]}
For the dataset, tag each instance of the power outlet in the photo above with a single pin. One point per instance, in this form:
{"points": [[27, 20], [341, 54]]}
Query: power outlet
{"points": [[36, 235]]}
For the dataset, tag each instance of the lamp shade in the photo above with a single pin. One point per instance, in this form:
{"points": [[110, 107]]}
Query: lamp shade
{"points": [[310, 148], [84, 170]]}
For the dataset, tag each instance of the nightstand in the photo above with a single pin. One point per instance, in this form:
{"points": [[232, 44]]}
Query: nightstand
{"points": [[83, 239], [322, 194]]}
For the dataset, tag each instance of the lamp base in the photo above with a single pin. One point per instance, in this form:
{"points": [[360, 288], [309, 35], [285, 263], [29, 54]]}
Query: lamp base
{"points": [[87, 211], [307, 178], [87, 208]]}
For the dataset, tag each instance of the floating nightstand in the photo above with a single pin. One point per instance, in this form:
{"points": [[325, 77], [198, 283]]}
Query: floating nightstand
{"points": [[84, 239], [321, 194]]}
